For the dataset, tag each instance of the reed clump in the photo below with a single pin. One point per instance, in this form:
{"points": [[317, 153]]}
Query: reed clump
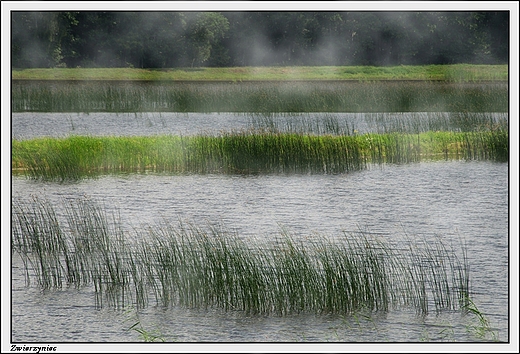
{"points": [[185, 265], [262, 96], [247, 152]]}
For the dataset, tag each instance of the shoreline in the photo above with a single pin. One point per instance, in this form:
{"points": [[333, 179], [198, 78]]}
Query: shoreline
{"points": [[453, 72], [267, 81]]}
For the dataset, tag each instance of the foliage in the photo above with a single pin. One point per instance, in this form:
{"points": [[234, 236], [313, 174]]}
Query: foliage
{"points": [[203, 33], [169, 39]]}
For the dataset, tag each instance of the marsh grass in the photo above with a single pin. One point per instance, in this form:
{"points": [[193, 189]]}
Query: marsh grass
{"points": [[186, 265], [247, 152], [482, 328], [380, 123], [40, 241], [263, 96], [147, 335], [421, 122]]}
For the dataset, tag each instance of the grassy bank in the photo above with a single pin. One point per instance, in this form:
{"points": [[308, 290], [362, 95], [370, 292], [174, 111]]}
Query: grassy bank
{"points": [[194, 267], [458, 72], [247, 152]]}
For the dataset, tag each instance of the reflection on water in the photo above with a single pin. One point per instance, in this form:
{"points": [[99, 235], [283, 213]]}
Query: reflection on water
{"points": [[453, 200]]}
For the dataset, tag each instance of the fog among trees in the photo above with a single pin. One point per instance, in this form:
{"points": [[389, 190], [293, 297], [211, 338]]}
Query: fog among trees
{"points": [[226, 39]]}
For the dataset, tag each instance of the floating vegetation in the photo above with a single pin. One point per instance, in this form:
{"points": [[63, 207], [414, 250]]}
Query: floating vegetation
{"points": [[247, 152], [194, 267], [263, 96]]}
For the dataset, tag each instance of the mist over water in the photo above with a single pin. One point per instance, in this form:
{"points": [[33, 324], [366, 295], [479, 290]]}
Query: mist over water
{"points": [[454, 201], [166, 39]]}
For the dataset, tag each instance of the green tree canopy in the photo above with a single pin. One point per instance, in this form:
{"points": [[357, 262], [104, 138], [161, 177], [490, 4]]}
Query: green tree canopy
{"points": [[152, 39]]}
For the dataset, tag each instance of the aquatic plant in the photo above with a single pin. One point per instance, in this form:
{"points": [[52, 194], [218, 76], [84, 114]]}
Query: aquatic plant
{"points": [[380, 123], [147, 335], [261, 96], [247, 152], [482, 329], [195, 267], [40, 241]]}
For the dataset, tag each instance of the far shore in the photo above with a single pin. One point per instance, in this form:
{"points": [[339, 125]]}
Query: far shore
{"points": [[452, 73]]}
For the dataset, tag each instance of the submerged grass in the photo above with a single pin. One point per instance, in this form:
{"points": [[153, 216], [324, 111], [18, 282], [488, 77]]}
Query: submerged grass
{"points": [[184, 265], [273, 96], [247, 152]]}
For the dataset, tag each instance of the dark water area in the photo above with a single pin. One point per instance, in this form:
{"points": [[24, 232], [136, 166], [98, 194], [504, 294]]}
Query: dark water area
{"points": [[453, 201]]}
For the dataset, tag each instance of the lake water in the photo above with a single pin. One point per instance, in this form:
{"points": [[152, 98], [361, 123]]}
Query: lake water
{"points": [[452, 200], [29, 125]]}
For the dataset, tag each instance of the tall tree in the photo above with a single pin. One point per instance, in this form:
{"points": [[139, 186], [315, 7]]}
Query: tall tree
{"points": [[203, 32], [35, 39]]}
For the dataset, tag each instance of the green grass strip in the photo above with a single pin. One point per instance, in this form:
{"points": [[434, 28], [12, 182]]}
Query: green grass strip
{"points": [[78, 157], [457, 72]]}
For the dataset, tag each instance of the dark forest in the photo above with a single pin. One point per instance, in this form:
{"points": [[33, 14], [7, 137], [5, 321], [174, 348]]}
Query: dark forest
{"points": [[234, 39]]}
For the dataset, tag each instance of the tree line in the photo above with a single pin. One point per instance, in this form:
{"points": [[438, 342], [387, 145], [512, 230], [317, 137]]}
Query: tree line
{"points": [[227, 39]]}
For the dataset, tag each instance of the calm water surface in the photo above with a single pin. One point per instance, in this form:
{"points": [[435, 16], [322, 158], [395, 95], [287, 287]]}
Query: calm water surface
{"points": [[451, 200]]}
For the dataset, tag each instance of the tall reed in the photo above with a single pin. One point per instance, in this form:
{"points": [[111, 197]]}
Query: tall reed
{"points": [[380, 123], [36, 235], [246, 152], [264, 96], [190, 266]]}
